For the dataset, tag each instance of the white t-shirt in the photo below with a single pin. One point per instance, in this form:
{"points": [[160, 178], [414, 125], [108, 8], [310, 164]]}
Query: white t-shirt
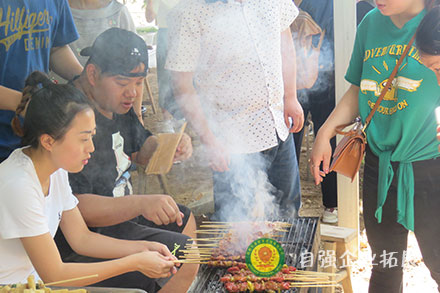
{"points": [[234, 50], [26, 212]]}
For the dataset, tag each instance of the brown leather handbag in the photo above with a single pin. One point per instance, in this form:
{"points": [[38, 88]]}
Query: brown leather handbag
{"points": [[350, 150]]}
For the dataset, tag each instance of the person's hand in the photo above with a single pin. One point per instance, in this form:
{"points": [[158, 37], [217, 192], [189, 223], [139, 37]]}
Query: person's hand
{"points": [[162, 249], [438, 136], [153, 264], [293, 109], [184, 149], [160, 209], [218, 157], [157, 246], [321, 153]]}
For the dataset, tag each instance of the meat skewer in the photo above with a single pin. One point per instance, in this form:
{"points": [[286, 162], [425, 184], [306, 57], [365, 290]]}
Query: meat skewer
{"points": [[256, 286]]}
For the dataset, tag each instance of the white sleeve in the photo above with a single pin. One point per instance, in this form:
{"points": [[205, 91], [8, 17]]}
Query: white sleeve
{"points": [[288, 14], [22, 210], [69, 200], [184, 37]]}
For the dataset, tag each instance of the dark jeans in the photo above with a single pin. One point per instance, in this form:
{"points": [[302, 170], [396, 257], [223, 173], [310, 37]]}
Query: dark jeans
{"points": [[320, 104], [388, 239], [136, 229], [272, 176]]}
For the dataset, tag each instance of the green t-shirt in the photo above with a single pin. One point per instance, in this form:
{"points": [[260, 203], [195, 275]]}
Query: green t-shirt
{"points": [[403, 129]]}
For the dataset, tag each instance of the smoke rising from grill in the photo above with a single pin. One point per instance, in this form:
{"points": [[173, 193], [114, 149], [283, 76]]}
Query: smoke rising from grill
{"points": [[252, 191], [229, 105]]}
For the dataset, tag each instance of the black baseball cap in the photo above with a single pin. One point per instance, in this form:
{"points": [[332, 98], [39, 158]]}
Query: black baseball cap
{"points": [[118, 51]]}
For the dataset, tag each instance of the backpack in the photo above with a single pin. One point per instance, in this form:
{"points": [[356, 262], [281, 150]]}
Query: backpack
{"points": [[303, 29]]}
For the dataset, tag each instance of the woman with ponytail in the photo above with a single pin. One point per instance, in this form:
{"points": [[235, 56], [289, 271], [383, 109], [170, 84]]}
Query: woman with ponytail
{"points": [[402, 165], [35, 196]]}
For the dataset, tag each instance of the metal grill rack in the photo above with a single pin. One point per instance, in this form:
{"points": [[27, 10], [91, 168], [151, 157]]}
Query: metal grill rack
{"points": [[302, 238]]}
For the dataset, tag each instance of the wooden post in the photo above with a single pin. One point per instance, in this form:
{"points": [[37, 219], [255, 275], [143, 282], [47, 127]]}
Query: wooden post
{"points": [[344, 12]]}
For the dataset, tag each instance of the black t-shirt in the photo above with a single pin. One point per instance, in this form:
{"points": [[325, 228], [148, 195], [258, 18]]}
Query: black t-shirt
{"points": [[115, 141]]}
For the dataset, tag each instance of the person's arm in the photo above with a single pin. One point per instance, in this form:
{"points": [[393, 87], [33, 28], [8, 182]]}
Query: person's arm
{"points": [[345, 111], [185, 94], [150, 14], [64, 63], [292, 108], [152, 259], [137, 105], [101, 211], [9, 98]]}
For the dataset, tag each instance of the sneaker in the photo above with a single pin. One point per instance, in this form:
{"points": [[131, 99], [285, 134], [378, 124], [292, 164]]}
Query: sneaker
{"points": [[330, 216]]}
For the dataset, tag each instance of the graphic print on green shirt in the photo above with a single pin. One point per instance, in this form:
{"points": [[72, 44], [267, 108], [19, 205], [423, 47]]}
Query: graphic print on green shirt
{"points": [[403, 129]]}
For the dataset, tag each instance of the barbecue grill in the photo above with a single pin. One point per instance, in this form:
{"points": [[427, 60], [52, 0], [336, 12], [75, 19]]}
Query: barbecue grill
{"points": [[302, 238]]}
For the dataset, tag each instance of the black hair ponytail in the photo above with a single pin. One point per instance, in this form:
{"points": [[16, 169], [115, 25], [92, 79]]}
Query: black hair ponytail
{"points": [[31, 86], [50, 109]]}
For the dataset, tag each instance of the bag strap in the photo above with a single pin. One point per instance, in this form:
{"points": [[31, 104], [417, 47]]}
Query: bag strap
{"points": [[390, 80], [393, 74]]}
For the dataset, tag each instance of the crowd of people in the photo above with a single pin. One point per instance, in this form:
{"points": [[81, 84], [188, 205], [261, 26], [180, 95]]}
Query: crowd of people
{"points": [[67, 207]]}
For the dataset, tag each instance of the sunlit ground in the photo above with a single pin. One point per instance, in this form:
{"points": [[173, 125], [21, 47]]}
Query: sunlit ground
{"points": [[416, 275]]}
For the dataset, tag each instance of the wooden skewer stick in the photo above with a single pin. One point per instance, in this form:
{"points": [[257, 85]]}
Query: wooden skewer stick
{"points": [[298, 271], [281, 230], [217, 222], [210, 244], [213, 229], [201, 250], [314, 283], [215, 226], [207, 247], [297, 277], [71, 280], [235, 223], [310, 272], [306, 279], [203, 247], [202, 244], [315, 286], [206, 239], [190, 261], [309, 275], [197, 256]]}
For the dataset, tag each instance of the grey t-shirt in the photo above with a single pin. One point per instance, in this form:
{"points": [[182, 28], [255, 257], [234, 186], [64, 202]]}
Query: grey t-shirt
{"points": [[91, 23]]}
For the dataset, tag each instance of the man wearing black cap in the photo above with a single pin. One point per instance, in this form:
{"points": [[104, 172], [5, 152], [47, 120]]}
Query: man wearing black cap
{"points": [[111, 78]]}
